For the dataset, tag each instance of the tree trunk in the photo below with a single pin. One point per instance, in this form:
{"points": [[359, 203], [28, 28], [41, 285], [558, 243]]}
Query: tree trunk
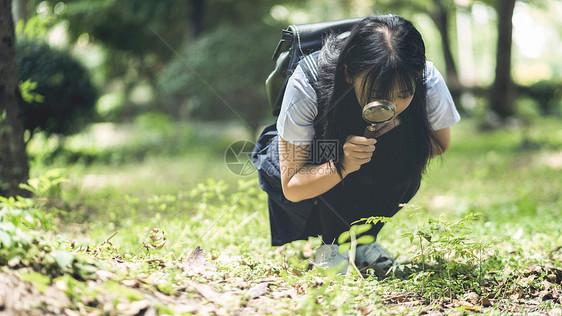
{"points": [[440, 16], [14, 167], [196, 12], [502, 99]]}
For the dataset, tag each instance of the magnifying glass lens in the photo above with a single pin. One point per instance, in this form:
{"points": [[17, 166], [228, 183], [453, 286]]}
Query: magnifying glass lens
{"points": [[378, 112]]}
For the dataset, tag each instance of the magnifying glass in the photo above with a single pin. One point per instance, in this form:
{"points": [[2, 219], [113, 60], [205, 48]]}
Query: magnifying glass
{"points": [[377, 112]]}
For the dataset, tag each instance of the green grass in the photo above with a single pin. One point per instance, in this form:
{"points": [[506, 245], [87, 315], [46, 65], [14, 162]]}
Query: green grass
{"points": [[509, 253]]}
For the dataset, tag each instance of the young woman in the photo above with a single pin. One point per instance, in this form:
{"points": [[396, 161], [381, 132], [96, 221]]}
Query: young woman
{"points": [[327, 167]]}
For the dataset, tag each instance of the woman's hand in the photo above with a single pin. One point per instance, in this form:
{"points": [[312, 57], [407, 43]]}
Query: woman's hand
{"points": [[357, 151]]}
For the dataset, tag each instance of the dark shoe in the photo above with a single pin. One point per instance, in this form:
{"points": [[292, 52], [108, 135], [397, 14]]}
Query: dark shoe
{"points": [[373, 256]]}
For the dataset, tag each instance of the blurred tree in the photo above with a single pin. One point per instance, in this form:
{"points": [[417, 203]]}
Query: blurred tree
{"points": [[502, 96], [221, 75], [196, 13], [440, 12], [68, 95], [138, 36], [14, 168], [502, 93]]}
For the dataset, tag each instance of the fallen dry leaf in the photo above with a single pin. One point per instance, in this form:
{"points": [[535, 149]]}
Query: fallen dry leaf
{"points": [[292, 293], [69, 312], [257, 290], [133, 308], [366, 310], [516, 295], [185, 308], [131, 283], [105, 275], [468, 305], [209, 293], [473, 297], [196, 262]]}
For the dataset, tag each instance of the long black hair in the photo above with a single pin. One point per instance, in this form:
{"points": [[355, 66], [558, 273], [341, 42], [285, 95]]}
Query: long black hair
{"points": [[391, 52]]}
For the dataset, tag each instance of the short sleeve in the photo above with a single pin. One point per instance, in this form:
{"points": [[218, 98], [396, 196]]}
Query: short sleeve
{"points": [[441, 110], [295, 123]]}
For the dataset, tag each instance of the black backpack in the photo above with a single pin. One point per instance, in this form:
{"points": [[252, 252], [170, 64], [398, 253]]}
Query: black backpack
{"points": [[296, 42]]}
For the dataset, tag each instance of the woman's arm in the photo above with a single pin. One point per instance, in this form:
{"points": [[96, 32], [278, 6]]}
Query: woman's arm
{"points": [[443, 138], [302, 181]]}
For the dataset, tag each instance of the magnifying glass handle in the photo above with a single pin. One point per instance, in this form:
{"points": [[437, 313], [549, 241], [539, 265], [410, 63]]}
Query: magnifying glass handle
{"points": [[370, 131]]}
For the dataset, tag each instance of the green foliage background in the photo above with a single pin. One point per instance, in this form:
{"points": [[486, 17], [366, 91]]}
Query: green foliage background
{"points": [[221, 75], [68, 97]]}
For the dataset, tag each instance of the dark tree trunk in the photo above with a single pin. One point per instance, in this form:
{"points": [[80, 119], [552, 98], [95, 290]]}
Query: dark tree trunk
{"points": [[196, 12], [502, 99], [440, 16], [14, 167]]}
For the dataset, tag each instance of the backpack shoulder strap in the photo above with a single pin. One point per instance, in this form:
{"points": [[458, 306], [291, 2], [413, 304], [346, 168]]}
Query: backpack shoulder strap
{"points": [[309, 65]]}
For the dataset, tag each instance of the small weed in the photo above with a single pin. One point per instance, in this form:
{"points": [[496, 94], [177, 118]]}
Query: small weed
{"points": [[448, 258]]}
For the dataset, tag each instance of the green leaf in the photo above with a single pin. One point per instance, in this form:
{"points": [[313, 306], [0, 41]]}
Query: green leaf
{"points": [[166, 288], [64, 258], [360, 229], [130, 294], [5, 239], [40, 282], [365, 240], [343, 237], [344, 247]]}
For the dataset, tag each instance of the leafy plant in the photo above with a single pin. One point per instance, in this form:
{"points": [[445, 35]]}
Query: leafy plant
{"points": [[25, 242], [447, 253], [47, 185]]}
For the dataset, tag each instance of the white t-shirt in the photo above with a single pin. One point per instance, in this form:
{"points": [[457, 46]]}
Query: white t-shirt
{"points": [[295, 123]]}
